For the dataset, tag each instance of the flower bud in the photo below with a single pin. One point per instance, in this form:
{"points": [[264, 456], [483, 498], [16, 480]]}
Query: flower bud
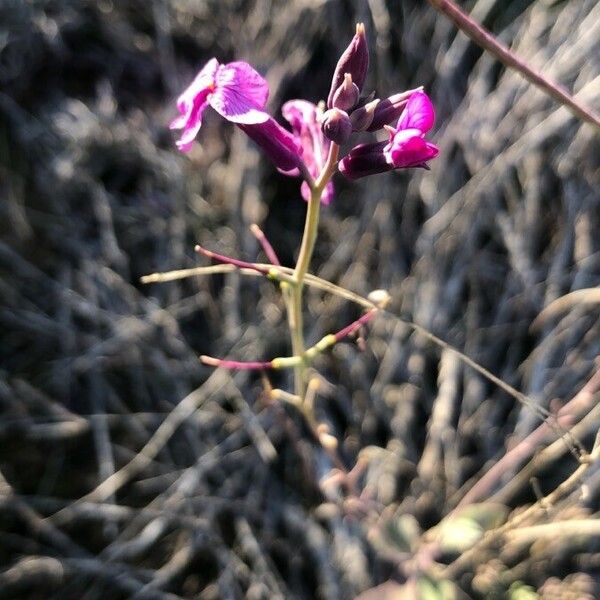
{"points": [[362, 117], [336, 126], [381, 298], [363, 160], [389, 110], [354, 61], [346, 96]]}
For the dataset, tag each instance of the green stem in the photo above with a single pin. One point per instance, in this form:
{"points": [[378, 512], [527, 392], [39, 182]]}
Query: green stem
{"points": [[293, 290]]}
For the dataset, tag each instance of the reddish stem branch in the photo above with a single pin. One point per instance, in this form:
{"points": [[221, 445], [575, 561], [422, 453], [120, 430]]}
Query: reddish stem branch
{"points": [[569, 413], [287, 362], [259, 234], [486, 40], [350, 329], [235, 364], [230, 261]]}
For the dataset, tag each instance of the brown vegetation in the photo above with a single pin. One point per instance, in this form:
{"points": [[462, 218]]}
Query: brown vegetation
{"points": [[128, 470]]}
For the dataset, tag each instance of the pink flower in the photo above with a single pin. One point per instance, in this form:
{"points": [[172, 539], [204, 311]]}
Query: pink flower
{"points": [[304, 117], [407, 146], [235, 90]]}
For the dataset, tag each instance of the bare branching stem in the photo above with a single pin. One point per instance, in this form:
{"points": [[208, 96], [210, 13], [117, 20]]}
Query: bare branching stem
{"points": [[492, 537]]}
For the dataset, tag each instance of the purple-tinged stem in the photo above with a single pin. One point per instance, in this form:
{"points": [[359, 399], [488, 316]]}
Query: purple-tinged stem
{"points": [[576, 407], [265, 244], [291, 361], [486, 40], [350, 329], [230, 261], [234, 364]]}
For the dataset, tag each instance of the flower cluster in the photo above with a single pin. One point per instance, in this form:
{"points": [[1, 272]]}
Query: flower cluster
{"points": [[239, 94]]}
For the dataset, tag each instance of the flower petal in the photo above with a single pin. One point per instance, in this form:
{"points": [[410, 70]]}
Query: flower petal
{"points": [[408, 148], [191, 128], [190, 123], [418, 113], [303, 116], [191, 104], [326, 196], [299, 114], [201, 86], [240, 94]]}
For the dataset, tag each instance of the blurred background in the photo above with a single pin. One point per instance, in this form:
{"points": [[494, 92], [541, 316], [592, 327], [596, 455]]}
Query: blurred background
{"points": [[225, 501]]}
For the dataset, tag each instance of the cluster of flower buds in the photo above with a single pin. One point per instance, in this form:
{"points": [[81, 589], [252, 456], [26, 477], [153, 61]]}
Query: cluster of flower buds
{"points": [[344, 96], [239, 94], [347, 112]]}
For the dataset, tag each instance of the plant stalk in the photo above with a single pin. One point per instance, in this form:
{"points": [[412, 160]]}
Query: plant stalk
{"points": [[293, 290]]}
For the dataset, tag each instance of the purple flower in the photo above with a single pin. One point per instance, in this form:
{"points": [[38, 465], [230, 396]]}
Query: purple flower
{"points": [[235, 90], [407, 146], [304, 117]]}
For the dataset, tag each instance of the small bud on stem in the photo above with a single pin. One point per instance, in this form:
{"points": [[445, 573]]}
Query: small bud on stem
{"points": [[354, 61], [336, 126], [346, 96]]}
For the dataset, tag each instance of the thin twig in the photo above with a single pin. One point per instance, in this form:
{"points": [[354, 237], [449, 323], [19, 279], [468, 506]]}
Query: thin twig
{"points": [[490, 538], [486, 40], [288, 362], [259, 234], [528, 445], [255, 269], [582, 297], [558, 529]]}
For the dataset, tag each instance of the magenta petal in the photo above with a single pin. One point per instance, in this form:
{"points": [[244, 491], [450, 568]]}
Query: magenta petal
{"points": [[409, 150], [305, 191], [190, 123], [299, 114], [191, 104], [303, 116], [240, 94], [328, 194], [246, 79], [178, 122], [201, 86], [418, 113]]}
